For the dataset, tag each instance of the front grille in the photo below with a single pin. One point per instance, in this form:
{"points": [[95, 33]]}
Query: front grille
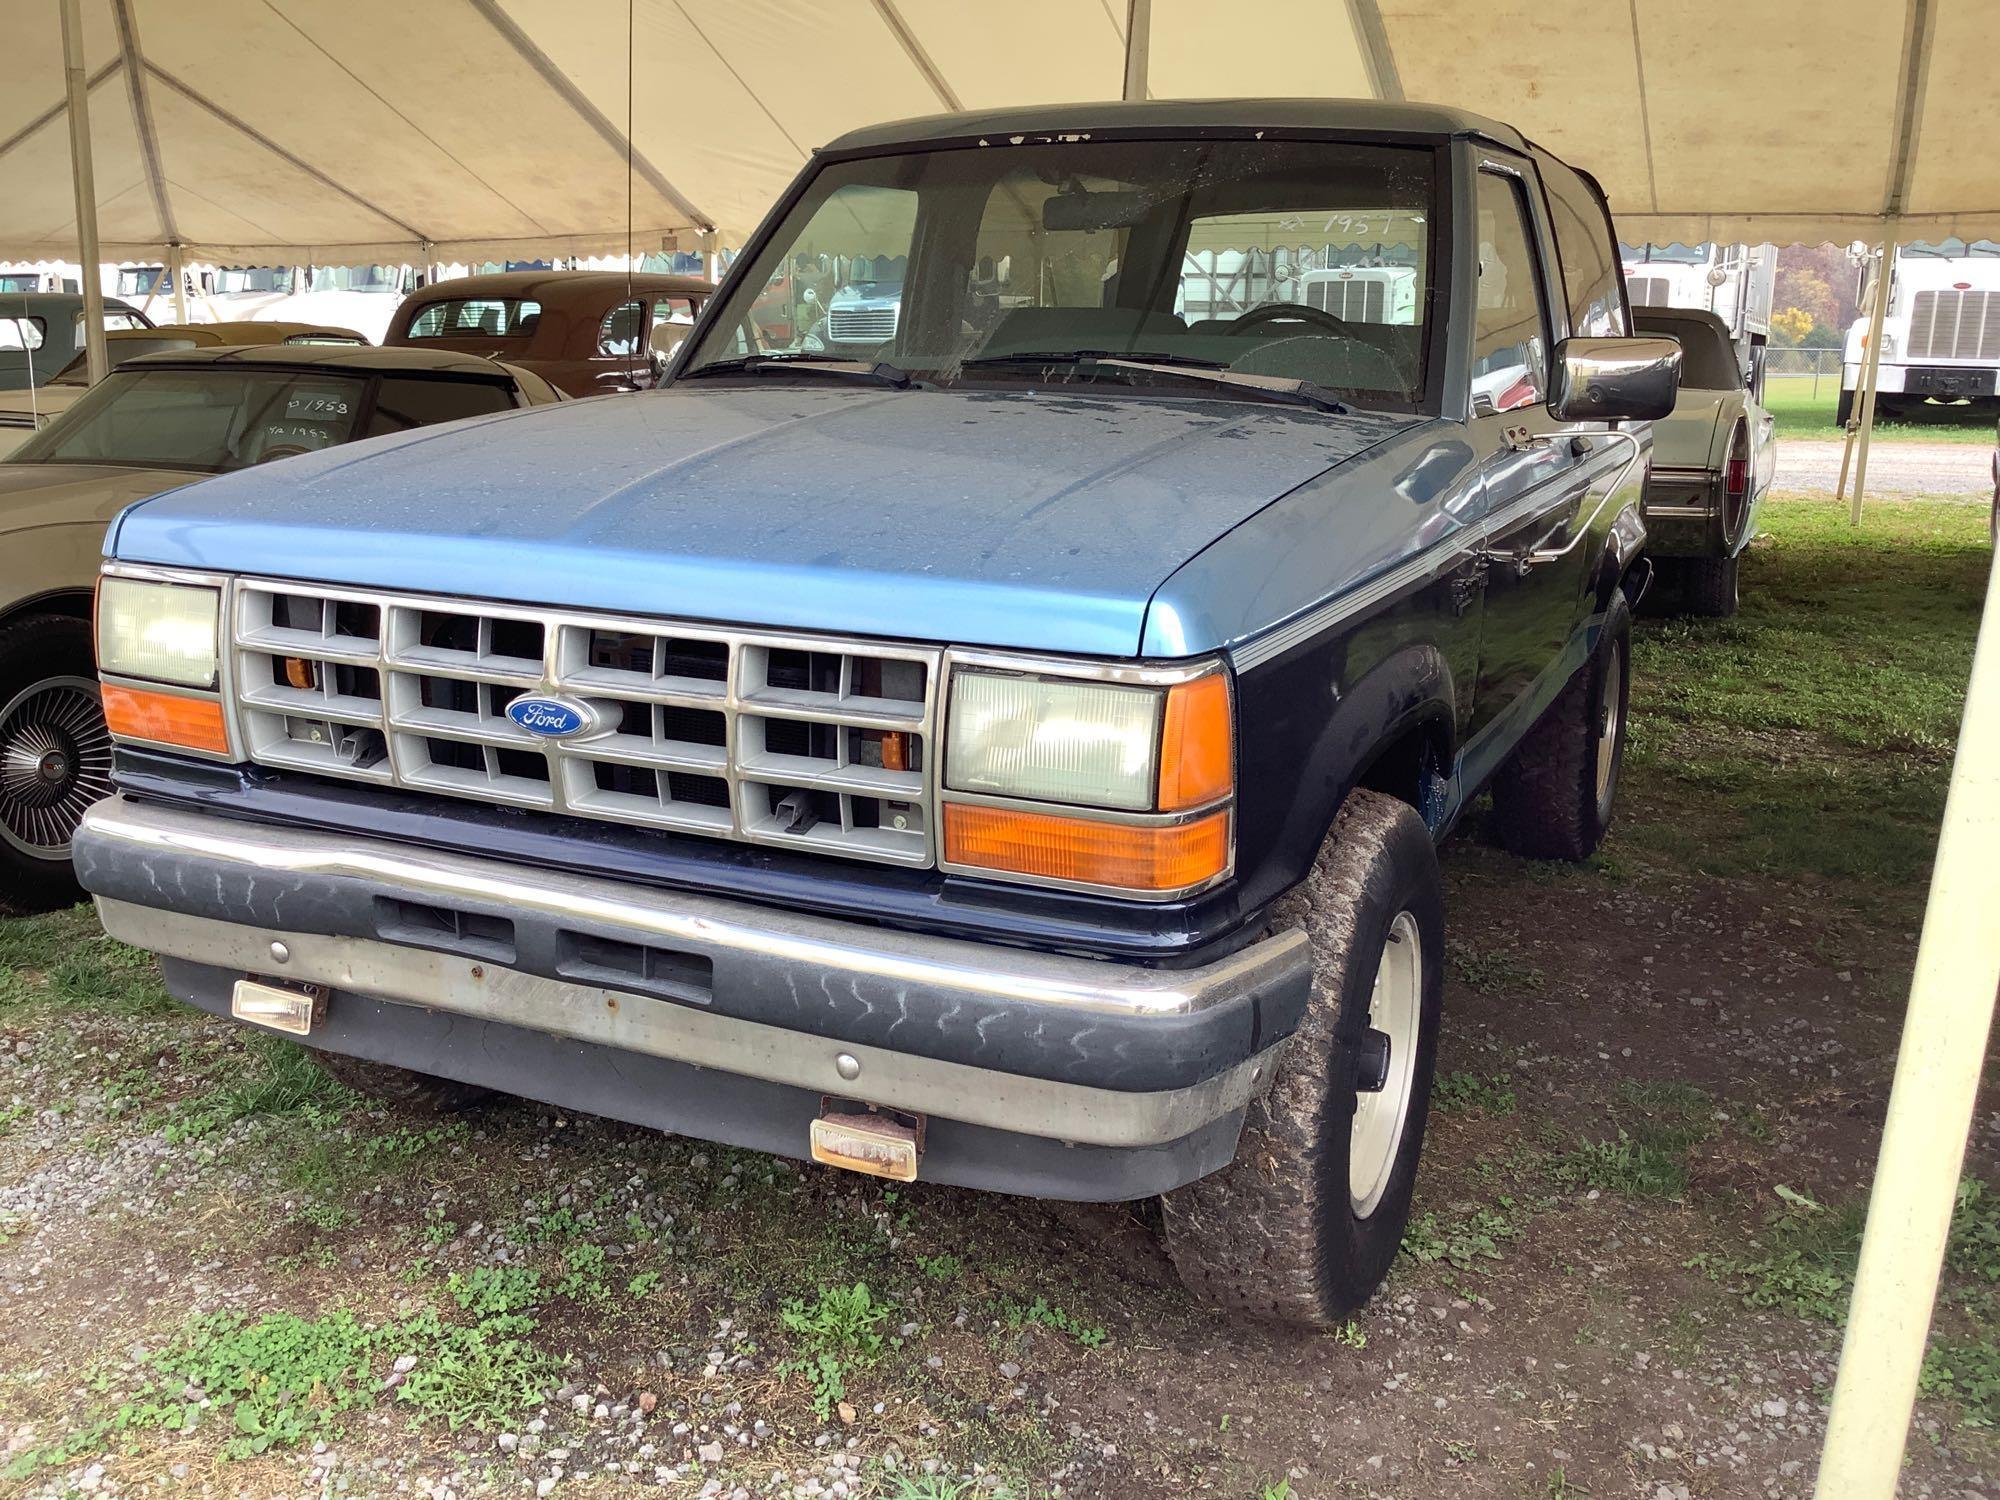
{"points": [[1351, 301], [1647, 291], [1955, 325], [807, 742], [862, 325]]}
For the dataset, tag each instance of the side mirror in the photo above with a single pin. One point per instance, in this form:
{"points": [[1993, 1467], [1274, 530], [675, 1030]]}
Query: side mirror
{"points": [[1609, 380], [661, 344]]}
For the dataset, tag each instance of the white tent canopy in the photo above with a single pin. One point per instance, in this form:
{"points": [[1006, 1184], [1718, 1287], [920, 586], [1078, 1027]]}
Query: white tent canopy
{"points": [[350, 130]]}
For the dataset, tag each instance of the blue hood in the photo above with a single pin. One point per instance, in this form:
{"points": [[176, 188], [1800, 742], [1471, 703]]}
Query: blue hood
{"points": [[1033, 520]]}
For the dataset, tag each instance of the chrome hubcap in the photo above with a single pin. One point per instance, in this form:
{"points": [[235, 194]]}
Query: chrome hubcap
{"points": [[55, 760], [1380, 1115], [1608, 723]]}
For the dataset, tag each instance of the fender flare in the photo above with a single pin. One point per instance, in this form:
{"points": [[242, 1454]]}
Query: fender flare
{"points": [[1411, 689]]}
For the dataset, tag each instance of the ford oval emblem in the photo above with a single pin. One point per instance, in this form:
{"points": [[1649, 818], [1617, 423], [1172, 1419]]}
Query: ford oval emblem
{"points": [[550, 717]]}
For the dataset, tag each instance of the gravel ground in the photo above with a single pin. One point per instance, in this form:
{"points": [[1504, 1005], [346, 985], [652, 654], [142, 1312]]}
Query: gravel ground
{"points": [[1900, 468]]}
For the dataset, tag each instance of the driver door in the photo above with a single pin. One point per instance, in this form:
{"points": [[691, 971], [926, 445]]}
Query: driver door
{"points": [[1534, 483]]}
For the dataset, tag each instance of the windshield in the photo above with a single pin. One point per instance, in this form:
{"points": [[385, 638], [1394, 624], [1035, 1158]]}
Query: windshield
{"points": [[205, 420], [1292, 260], [355, 279], [240, 280]]}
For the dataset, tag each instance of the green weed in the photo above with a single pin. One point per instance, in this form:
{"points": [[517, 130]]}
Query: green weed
{"points": [[1470, 1235], [1490, 1094], [941, 1268], [1019, 1315], [838, 1330], [1495, 973]]}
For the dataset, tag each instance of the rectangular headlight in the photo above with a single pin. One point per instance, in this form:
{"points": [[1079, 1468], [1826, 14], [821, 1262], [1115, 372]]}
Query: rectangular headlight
{"points": [[1091, 744], [1148, 766], [158, 632]]}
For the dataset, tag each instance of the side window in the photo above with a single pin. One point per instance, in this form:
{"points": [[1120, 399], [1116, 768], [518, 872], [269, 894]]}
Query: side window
{"points": [[619, 337], [1589, 250], [678, 310], [118, 319], [22, 332], [1510, 332], [402, 404]]}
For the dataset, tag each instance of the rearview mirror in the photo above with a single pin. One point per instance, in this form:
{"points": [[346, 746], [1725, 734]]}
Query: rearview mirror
{"points": [[1609, 380]]}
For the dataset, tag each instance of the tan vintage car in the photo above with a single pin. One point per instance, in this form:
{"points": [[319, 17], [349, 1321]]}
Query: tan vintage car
{"points": [[158, 422], [23, 412]]}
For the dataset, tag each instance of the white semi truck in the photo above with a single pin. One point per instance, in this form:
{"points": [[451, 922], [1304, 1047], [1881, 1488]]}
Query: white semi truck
{"points": [[1734, 282], [1940, 330]]}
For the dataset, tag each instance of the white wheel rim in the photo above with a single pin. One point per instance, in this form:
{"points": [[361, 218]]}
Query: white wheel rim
{"points": [[1607, 724], [1393, 1009]]}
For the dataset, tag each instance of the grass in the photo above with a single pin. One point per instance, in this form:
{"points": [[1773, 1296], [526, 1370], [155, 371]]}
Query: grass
{"points": [[1812, 734], [281, 1380], [1802, 414]]}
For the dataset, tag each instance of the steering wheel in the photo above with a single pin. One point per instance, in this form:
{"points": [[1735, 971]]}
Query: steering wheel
{"points": [[1290, 312]]}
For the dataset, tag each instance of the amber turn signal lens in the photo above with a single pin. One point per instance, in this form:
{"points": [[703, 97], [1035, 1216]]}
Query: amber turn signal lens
{"points": [[1132, 857], [1197, 758], [194, 723]]}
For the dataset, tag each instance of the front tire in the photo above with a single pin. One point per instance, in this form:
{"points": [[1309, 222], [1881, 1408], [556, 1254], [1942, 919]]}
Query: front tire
{"points": [[1843, 409], [1554, 797], [55, 757], [418, 1093], [1303, 1225]]}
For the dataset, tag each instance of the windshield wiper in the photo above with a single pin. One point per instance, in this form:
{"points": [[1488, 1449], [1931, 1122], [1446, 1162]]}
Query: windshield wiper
{"points": [[1090, 357], [877, 372], [1181, 367]]}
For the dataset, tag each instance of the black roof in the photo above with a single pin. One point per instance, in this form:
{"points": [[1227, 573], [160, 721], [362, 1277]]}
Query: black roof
{"points": [[1043, 121], [358, 359]]}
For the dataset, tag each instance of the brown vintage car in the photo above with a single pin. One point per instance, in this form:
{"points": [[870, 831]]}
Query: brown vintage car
{"points": [[585, 332]]}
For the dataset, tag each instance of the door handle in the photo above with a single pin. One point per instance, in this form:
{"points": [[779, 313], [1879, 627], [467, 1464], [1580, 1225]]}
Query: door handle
{"points": [[1528, 559]]}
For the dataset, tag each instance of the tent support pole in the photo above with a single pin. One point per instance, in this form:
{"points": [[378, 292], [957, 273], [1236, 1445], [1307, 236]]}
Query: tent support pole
{"points": [[84, 179], [1930, 1112], [1138, 46], [176, 270], [1872, 372]]}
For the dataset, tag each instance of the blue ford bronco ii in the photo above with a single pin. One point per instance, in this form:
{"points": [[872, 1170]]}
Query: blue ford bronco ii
{"points": [[1004, 744]]}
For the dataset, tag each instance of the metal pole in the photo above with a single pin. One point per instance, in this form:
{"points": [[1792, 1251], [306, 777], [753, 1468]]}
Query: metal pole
{"points": [[1138, 46], [85, 178], [1930, 1112], [1874, 370], [178, 272]]}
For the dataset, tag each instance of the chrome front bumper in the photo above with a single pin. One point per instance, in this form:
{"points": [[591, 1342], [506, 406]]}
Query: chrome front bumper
{"points": [[1068, 1049]]}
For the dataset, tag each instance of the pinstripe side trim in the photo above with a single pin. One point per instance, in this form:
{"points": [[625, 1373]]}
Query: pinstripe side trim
{"points": [[1433, 561]]}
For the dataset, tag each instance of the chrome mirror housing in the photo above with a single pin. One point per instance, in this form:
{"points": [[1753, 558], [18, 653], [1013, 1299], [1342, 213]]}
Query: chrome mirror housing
{"points": [[1615, 379]]}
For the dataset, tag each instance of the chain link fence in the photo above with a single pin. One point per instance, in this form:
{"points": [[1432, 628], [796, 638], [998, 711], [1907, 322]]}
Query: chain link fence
{"points": [[1807, 366]]}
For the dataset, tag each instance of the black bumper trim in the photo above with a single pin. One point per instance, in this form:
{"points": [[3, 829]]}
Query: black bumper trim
{"points": [[754, 1115]]}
